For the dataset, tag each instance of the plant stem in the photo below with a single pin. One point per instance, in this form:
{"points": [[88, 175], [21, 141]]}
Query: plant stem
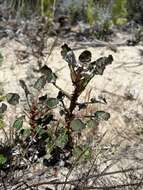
{"points": [[69, 117]]}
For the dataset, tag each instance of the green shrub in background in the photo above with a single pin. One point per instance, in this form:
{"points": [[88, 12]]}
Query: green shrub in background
{"points": [[47, 7], [104, 14], [119, 12], [111, 11], [76, 12], [90, 12], [102, 18]]}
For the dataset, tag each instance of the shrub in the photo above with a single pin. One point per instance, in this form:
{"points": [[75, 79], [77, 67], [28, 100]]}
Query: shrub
{"points": [[46, 132], [119, 12]]}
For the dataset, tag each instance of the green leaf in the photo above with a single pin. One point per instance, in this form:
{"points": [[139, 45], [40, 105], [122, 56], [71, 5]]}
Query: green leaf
{"points": [[100, 64], [50, 76], [3, 159], [77, 125], [85, 56], [18, 123], [62, 139], [52, 102], [12, 98], [92, 123], [3, 108], [40, 83], [101, 115], [68, 55]]}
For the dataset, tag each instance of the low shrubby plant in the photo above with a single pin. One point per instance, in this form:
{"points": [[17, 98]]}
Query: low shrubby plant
{"points": [[49, 131]]}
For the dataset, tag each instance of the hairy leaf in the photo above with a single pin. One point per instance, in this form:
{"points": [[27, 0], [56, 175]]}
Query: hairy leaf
{"points": [[85, 56], [100, 64], [18, 123], [50, 76], [12, 98], [40, 83], [52, 102], [77, 125], [101, 115], [83, 150], [95, 68], [68, 55], [92, 123]]}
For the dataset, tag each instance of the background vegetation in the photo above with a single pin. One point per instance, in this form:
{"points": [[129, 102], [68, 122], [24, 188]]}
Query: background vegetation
{"points": [[90, 11]]}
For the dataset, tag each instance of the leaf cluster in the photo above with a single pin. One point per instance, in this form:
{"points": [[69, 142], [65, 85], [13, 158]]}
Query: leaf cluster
{"points": [[46, 131]]}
